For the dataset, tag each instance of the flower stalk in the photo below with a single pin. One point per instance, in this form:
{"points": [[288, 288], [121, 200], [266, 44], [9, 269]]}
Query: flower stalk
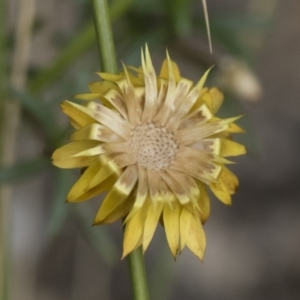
{"points": [[104, 36], [138, 274], [109, 64]]}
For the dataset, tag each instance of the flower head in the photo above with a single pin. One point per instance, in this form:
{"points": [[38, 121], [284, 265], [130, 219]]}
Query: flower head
{"points": [[154, 144]]}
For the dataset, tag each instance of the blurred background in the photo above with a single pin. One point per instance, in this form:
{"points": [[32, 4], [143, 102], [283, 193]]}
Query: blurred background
{"points": [[48, 53]]}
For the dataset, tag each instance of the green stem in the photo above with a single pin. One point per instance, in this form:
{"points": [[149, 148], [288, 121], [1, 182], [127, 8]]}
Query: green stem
{"points": [[138, 275], [105, 36], [109, 64]]}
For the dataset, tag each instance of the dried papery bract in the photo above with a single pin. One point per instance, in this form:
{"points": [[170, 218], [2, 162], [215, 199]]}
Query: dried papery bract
{"points": [[207, 24], [154, 144]]}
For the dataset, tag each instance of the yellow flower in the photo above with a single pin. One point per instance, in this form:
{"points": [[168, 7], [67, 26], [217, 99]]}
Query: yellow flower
{"points": [[154, 144]]}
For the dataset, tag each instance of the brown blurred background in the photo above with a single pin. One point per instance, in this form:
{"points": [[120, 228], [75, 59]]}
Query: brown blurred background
{"points": [[254, 246]]}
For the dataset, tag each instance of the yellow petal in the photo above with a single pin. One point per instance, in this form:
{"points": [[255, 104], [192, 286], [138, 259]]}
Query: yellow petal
{"points": [[104, 186], [230, 148], [113, 99], [195, 240], [123, 159], [188, 102], [104, 115], [163, 88], [213, 98], [138, 70], [102, 87], [176, 189], [222, 135], [187, 183], [74, 162], [117, 195], [185, 222], [233, 128], [209, 145], [203, 202], [81, 118], [80, 187], [201, 115], [164, 72], [74, 123], [192, 134], [88, 96], [134, 106], [158, 189], [150, 87], [229, 179], [118, 213], [142, 190], [111, 77], [108, 168], [196, 163], [96, 132], [168, 105], [64, 157], [199, 102], [205, 98], [195, 171], [117, 147], [197, 131], [123, 83], [152, 218], [171, 218], [182, 89], [109, 118], [221, 160], [97, 150], [154, 179], [221, 192], [217, 99], [133, 235]]}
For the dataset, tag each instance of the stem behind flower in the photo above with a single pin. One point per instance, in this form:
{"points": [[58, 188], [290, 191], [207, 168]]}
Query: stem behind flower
{"points": [[109, 64]]}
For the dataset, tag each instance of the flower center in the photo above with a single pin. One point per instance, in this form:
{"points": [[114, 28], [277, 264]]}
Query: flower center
{"points": [[153, 147]]}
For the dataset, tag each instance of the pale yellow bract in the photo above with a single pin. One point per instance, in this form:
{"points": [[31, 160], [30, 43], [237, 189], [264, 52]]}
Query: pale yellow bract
{"points": [[153, 144]]}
